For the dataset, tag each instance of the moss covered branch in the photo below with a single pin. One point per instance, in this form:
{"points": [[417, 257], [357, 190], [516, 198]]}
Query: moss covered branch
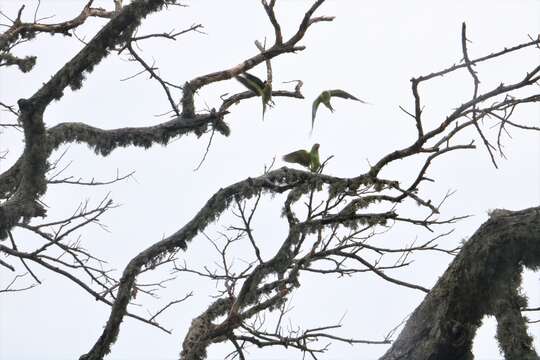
{"points": [[31, 168], [277, 181], [483, 279]]}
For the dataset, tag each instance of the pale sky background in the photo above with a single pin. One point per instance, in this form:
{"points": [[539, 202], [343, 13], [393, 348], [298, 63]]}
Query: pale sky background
{"points": [[372, 49]]}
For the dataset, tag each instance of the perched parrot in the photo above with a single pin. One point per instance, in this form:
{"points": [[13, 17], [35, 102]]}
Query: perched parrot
{"points": [[325, 97], [259, 87], [309, 159]]}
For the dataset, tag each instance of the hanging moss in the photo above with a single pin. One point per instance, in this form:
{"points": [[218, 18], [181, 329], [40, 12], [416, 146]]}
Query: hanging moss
{"points": [[24, 64]]}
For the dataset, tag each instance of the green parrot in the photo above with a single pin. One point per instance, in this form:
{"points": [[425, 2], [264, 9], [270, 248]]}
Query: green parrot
{"points": [[309, 159], [259, 87], [266, 96], [325, 97]]}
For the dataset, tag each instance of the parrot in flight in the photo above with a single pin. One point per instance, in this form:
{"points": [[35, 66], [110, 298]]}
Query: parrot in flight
{"points": [[309, 159], [259, 87], [325, 97]]}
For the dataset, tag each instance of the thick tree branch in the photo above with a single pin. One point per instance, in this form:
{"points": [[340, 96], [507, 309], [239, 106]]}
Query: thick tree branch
{"points": [[33, 165], [476, 284]]}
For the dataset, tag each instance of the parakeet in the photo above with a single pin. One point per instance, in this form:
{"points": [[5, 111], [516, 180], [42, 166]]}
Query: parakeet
{"points": [[259, 87], [266, 96], [309, 159], [325, 97]]}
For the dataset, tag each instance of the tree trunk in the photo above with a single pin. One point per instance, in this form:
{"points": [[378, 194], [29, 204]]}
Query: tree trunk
{"points": [[483, 279]]}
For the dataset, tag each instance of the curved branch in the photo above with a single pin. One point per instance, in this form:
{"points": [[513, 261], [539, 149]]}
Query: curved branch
{"points": [[33, 164], [278, 48]]}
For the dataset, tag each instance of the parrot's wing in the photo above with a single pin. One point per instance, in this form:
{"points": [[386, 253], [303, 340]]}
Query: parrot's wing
{"points": [[345, 95], [249, 84], [260, 84], [301, 157], [314, 108]]}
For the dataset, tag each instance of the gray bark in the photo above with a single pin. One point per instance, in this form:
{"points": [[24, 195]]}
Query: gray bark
{"points": [[483, 279]]}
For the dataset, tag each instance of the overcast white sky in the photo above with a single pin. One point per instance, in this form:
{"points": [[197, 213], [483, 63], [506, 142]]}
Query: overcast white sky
{"points": [[372, 49]]}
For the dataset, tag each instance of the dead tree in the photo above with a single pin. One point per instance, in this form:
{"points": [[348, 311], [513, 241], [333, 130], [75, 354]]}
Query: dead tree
{"points": [[332, 221]]}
